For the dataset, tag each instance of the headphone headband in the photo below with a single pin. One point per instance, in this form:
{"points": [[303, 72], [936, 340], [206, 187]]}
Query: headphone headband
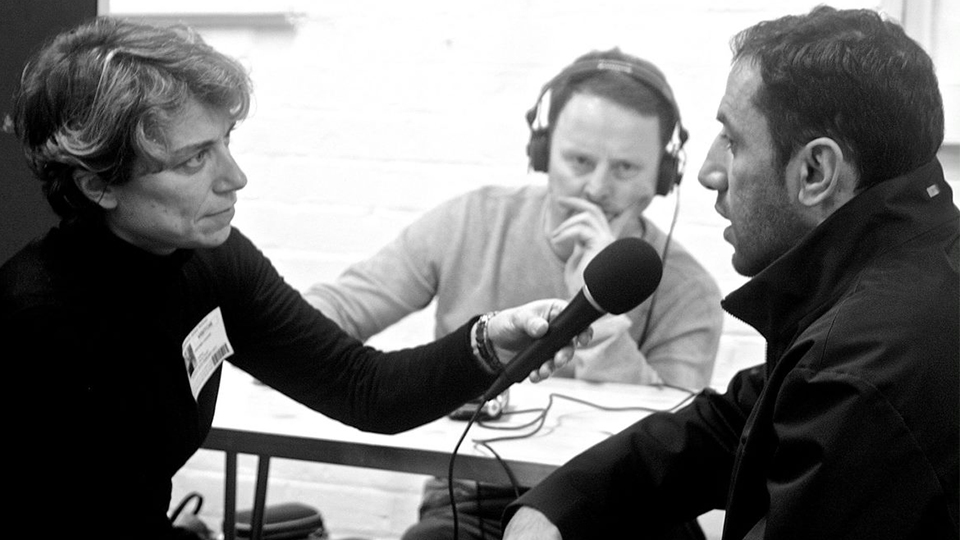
{"points": [[641, 71]]}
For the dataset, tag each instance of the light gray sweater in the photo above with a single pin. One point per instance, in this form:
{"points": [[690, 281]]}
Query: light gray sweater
{"points": [[486, 250]]}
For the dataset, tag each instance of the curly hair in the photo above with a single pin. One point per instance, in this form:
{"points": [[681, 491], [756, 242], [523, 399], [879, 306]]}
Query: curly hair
{"points": [[849, 75], [97, 99]]}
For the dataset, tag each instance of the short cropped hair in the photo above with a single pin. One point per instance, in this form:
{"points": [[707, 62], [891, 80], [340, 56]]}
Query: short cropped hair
{"points": [[852, 76], [98, 99], [620, 88]]}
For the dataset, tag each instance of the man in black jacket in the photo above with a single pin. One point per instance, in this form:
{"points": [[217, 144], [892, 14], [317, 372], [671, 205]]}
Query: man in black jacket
{"points": [[826, 168]]}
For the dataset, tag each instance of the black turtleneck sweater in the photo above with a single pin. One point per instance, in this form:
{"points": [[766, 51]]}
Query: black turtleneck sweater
{"points": [[103, 415]]}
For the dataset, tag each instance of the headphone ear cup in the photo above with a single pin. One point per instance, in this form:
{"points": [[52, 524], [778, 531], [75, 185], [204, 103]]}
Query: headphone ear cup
{"points": [[669, 174], [538, 150]]}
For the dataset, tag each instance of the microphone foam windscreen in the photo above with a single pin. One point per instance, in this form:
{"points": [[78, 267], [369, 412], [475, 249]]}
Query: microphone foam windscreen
{"points": [[623, 275]]}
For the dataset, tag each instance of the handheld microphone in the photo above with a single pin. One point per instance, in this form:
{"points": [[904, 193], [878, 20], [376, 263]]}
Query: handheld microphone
{"points": [[617, 280]]}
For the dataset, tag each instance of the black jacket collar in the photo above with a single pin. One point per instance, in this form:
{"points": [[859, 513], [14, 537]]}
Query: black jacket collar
{"points": [[816, 271]]}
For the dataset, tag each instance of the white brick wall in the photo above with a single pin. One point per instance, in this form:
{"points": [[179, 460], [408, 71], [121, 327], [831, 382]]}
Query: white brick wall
{"points": [[368, 112]]}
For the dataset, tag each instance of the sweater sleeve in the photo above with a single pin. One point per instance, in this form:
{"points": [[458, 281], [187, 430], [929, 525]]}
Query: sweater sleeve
{"points": [[284, 342], [613, 355], [401, 278]]}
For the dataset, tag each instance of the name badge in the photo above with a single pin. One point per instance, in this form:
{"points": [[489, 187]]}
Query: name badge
{"points": [[204, 349]]}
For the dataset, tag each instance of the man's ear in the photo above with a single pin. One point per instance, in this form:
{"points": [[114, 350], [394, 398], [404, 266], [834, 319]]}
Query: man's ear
{"points": [[94, 188], [825, 179]]}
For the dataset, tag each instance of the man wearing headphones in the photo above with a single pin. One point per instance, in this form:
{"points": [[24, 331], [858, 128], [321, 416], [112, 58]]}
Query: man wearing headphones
{"points": [[607, 132]]}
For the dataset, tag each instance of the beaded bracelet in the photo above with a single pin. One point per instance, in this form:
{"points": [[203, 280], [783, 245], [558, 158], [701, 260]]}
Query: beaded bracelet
{"points": [[483, 349]]}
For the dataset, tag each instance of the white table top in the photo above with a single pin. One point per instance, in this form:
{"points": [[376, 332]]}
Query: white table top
{"points": [[253, 418]]}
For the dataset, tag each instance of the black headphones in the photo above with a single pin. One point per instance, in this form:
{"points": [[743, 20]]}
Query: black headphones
{"points": [[672, 161]]}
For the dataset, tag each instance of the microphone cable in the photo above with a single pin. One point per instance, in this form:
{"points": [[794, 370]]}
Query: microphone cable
{"points": [[538, 422], [663, 258], [453, 457]]}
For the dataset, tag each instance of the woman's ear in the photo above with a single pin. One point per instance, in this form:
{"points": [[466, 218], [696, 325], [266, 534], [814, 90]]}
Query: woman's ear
{"points": [[826, 181], [95, 189]]}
